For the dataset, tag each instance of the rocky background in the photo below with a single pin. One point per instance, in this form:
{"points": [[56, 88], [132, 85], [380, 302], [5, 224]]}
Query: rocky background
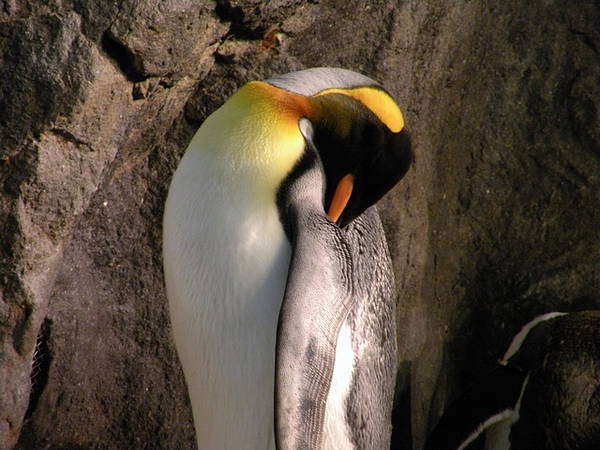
{"points": [[498, 220]]}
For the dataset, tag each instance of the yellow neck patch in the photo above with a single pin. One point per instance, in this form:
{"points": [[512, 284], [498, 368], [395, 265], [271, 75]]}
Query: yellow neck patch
{"points": [[378, 101], [256, 131]]}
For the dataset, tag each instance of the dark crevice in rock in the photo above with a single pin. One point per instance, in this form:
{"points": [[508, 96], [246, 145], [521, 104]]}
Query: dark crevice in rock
{"points": [[10, 235], [228, 13], [235, 15], [125, 59], [39, 367], [221, 58], [70, 137]]}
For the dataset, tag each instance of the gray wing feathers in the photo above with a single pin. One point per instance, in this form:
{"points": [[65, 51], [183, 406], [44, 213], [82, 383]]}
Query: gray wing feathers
{"points": [[336, 276], [316, 303], [373, 324]]}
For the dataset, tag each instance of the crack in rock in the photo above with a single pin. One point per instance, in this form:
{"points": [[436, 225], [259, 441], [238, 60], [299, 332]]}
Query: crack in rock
{"points": [[128, 62]]}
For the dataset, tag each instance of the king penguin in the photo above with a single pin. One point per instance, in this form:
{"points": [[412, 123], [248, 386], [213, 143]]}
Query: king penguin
{"points": [[544, 393], [278, 275]]}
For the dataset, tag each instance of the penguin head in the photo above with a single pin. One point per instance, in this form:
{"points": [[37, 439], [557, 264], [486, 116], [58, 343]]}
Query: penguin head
{"points": [[358, 132], [353, 124], [364, 153]]}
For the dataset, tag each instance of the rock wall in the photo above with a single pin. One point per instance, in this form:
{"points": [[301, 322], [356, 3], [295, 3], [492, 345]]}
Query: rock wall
{"points": [[497, 221]]}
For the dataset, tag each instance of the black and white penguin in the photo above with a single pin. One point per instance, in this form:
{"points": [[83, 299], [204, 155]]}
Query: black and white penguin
{"points": [[278, 275], [544, 394]]}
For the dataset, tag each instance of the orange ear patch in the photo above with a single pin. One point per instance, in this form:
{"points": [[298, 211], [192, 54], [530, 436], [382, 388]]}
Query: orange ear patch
{"points": [[341, 197], [378, 101]]}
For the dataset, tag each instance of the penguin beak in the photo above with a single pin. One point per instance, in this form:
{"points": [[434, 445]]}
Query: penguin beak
{"points": [[341, 197]]}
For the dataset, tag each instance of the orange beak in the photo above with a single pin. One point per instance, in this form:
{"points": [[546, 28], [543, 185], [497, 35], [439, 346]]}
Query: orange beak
{"points": [[342, 194]]}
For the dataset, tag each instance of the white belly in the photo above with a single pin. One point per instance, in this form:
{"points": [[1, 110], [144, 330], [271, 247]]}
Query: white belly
{"points": [[226, 260]]}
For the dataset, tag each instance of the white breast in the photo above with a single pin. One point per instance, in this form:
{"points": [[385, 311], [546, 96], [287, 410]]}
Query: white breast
{"points": [[226, 259]]}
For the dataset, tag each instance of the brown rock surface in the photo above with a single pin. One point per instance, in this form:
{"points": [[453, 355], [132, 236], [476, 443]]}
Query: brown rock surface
{"points": [[498, 220]]}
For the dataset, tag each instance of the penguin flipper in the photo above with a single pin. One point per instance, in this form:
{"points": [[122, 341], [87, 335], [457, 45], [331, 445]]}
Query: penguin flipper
{"points": [[491, 399], [316, 302]]}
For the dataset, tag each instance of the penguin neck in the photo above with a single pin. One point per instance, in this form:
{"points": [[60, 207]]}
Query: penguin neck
{"points": [[257, 136]]}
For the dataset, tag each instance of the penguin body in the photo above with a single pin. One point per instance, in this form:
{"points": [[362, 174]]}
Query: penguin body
{"points": [[223, 344], [283, 318], [544, 394]]}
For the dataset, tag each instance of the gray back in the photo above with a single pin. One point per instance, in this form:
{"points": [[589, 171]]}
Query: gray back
{"points": [[310, 81]]}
